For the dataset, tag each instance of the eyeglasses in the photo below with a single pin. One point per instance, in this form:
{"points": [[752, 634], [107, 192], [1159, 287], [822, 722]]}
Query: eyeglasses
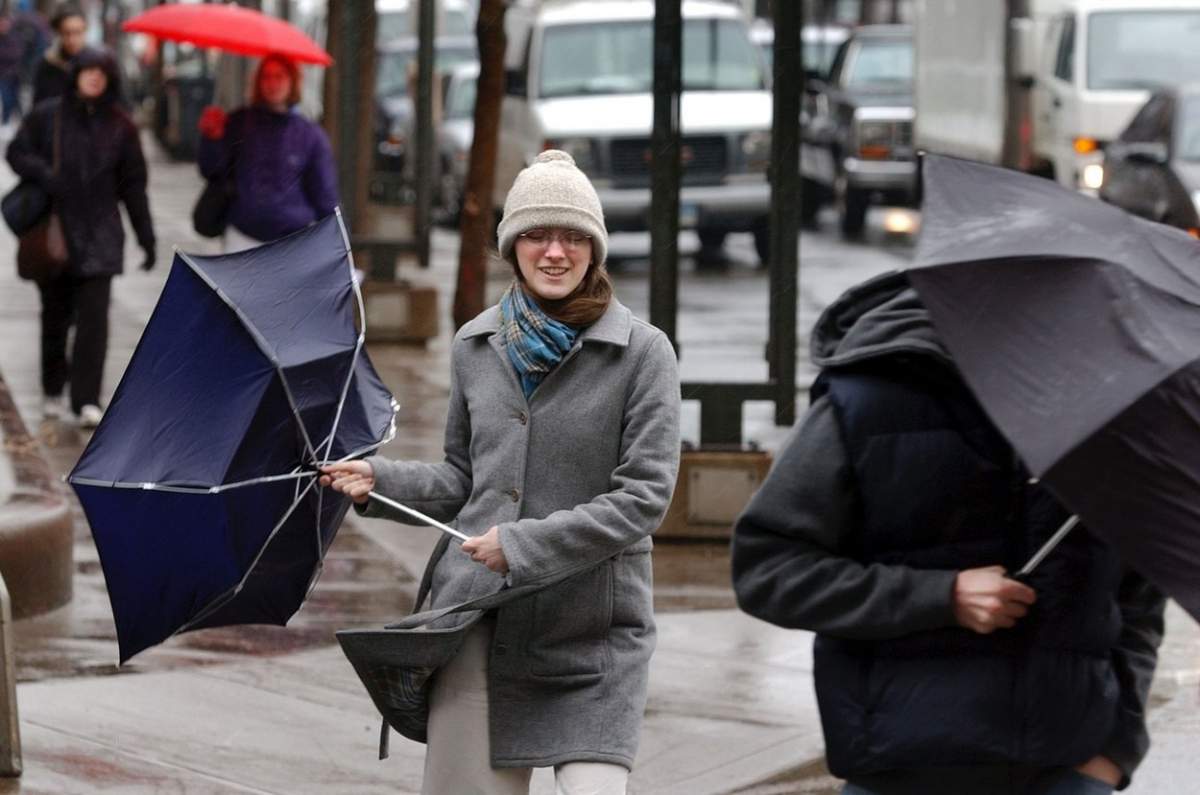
{"points": [[568, 239]]}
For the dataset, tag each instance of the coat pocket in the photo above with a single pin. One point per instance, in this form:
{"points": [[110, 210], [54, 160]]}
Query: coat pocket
{"points": [[568, 633]]}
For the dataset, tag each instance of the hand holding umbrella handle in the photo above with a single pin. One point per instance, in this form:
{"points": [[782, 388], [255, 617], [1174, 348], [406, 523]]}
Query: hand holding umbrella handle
{"points": [[1046, 549]]}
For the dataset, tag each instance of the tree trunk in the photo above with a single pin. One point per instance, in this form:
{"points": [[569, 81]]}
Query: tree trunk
{"points": [[475, 227]]}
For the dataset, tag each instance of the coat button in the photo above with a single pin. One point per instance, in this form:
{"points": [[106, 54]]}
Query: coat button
{"points": [[523, 418], [516, 495], [501, 650]]}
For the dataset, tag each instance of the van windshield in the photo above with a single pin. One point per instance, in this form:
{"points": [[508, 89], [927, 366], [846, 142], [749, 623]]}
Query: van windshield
{"points": [[1142, 49], [616, 58]]}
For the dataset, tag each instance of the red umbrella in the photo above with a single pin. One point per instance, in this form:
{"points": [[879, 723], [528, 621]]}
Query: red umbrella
{"points": [[230, 28]]}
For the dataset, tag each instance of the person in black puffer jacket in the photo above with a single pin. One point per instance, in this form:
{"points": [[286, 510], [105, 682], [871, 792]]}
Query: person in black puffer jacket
{"points": [[100, 166], [886, 526]]}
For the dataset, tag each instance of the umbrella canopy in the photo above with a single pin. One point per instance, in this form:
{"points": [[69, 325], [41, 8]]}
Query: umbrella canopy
{"points": [[228, 27], [200, 483], [1077, 326]]}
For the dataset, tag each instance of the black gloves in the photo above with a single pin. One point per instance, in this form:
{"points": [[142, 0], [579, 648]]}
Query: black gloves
{"points": [[148, 262]]}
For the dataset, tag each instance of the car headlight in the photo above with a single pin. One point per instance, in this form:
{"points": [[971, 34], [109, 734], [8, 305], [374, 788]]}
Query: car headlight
{"points": [[580, 149], [1196, 201], [756, 148], [874, 139], [1093, 176]]}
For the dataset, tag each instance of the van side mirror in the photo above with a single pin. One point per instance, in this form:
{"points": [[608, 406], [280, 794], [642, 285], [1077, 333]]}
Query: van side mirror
{"points": [[1024, 49], [514, 83]]}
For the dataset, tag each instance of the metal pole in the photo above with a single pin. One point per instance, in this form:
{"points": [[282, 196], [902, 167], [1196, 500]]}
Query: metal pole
{"points": [[1048, 547], [665, 167], [785, 198], [10, 727], [418, 515], [423, 172]]}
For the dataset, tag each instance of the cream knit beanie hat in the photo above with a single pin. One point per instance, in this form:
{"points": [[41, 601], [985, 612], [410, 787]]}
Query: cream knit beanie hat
{"points": [[553, 192]]}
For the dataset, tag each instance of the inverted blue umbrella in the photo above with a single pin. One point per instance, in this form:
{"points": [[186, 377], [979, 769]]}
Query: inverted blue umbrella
{"points": [[200, 484]]}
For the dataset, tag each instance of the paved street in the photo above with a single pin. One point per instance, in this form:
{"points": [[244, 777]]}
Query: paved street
{"points": [[279, 710]]}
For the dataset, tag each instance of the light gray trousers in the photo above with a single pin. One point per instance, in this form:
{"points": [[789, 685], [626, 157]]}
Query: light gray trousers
{"points": [[457, 757]]}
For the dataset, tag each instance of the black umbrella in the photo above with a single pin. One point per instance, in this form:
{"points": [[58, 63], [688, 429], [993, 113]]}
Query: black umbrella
{"points": [[1077, 326]]}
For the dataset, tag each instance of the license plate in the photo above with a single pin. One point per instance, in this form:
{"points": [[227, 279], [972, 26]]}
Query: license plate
{"points": [[689, 216]]}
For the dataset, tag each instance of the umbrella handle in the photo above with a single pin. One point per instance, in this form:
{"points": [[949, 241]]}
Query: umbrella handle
{"points": [[445, 528], [1047, 548]]}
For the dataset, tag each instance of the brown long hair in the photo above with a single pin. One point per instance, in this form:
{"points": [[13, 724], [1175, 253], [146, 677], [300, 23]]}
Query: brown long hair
{"points": [[289, 66], [586, 303]]}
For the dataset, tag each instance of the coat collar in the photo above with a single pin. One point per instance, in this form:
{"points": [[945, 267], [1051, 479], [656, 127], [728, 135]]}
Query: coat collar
{"points": [[613, 327]]}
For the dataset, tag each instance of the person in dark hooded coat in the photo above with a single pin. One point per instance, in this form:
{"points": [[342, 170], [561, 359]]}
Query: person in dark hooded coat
{"points": [[886, 526], [52, 78], [100, 167]]}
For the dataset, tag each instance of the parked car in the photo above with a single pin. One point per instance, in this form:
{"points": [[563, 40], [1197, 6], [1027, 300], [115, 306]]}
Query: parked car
{"points": [[395, 63], [856, 144], [580, 78], [455, 135], [1153, 168]]}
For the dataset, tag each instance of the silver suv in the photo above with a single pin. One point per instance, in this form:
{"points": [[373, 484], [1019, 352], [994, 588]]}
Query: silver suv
{"points": [[580, 77]]}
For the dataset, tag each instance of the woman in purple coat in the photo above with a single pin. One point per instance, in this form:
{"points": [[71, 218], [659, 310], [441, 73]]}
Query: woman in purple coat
{"points": [[280, 163]]}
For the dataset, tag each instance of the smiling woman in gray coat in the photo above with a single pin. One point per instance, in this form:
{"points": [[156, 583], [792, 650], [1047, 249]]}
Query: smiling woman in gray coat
{"points": [[561, 453]]}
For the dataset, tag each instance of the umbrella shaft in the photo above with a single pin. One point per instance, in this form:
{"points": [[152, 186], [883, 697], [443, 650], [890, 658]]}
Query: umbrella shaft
{"points": [[1049, 546], [418, 515]]}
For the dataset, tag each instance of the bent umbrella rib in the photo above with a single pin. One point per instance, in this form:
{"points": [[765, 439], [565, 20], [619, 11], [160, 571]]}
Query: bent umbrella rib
{"points": [[260, 341], [224, 598]]}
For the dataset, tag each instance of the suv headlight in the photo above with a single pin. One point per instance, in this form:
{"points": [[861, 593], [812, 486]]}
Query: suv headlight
{"points": [[756, 149], [580, 149]]}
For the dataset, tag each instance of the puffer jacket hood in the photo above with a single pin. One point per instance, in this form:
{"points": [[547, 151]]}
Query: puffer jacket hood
{"points": [[93, 58], [881, 317]]}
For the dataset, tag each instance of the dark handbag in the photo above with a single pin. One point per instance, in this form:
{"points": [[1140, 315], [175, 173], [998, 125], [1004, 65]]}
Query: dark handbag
{"points": [[397, 663], [42, 251], [210, 216], [24, 206]]}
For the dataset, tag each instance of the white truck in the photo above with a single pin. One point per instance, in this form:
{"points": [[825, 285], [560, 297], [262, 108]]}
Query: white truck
{"points": [[1046, 87]]}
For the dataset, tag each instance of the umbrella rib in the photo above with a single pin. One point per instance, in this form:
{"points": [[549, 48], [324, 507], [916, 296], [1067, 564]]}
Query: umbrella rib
{"points": [[176, 489], [327, 445], [260, 341], [224, 598]]}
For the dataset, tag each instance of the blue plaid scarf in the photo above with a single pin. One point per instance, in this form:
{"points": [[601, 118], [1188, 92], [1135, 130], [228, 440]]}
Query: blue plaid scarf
{"points": [[535, 342]]}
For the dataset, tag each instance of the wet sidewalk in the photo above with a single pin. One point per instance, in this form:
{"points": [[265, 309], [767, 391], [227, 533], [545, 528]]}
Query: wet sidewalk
{"points": [[279, 710], [269, 709]]}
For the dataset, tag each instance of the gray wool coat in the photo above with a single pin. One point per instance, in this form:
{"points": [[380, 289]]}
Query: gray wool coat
{"points": [[576, 478]]}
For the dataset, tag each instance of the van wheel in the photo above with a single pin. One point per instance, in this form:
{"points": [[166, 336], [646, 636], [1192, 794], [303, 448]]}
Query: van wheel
{"points": [[854, 213]]}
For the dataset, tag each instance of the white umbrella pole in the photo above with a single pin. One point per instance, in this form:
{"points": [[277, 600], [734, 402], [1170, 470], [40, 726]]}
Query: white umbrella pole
{"points": [[1048, 546], [418, 515]]}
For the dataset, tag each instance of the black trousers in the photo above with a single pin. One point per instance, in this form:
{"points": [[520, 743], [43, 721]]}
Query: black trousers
{"points": [[83, 303]]}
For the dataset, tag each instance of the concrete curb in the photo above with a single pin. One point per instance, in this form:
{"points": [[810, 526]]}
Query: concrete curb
{"points": [[36, 533]]}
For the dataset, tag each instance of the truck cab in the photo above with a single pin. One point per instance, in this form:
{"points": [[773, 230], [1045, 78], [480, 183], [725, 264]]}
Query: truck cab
{"points": [[1098, 62]]}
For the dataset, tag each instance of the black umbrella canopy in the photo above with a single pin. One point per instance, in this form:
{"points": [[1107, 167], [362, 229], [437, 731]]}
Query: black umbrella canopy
{"points": [[1077, 326]]}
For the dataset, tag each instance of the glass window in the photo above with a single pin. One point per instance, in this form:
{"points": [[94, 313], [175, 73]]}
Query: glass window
{"points": [[392, 66], [1064, 65], [880, 62], [395, 25], [616, 58], [461, 103], [1142, 49], [1187, 136]]}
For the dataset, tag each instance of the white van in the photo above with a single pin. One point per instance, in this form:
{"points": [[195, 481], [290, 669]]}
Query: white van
{"points": [[580, 78]]}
